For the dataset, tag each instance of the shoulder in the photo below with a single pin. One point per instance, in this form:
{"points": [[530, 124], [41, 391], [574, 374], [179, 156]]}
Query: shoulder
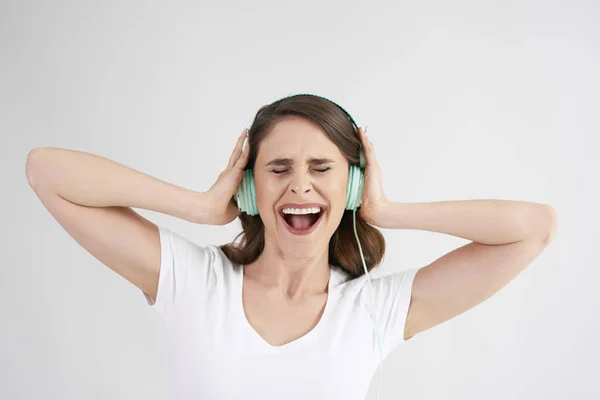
{"points": [[385, 288], [195, 261]]}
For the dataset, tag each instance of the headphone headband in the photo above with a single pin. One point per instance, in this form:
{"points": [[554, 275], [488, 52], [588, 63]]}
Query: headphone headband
{"points": [[331, 101], [362, 163]]}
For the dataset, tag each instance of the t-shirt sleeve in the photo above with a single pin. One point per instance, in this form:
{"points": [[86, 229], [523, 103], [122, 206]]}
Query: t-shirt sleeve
{"points": [[185, 268], [392, 299]]}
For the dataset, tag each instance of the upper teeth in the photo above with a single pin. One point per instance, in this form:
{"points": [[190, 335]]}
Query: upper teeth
{"points": [[313, 210]]}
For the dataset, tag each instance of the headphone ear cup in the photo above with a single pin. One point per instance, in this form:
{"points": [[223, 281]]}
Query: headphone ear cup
{"points": [[349, 188], [354, 188], [243, 193], [359, 190], [252, 206], [246, 194], [356, 182]]}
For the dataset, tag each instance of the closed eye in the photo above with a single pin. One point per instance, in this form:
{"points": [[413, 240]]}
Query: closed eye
{"points": [[285, 170]]}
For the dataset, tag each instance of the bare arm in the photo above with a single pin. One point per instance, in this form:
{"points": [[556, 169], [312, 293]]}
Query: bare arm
{"points": [[95, 181], [91, 197]]}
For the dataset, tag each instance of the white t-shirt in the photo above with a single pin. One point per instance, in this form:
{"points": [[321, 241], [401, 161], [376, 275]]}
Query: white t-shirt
{"points": [[216, 354]]}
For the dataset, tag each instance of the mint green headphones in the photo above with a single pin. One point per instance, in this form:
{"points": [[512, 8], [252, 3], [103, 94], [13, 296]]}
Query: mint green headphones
{"points": [[246, 191], [245, 195]]}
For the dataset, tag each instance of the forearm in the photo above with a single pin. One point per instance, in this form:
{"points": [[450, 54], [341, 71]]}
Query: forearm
{"points": [[95, 181], [483, 221]]}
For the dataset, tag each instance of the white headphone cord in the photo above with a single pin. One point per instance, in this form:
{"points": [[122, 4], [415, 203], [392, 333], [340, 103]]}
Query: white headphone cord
{"points": [[372, 305]]}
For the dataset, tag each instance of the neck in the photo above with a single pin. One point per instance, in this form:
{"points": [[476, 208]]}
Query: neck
{"points": [[296, 276]]}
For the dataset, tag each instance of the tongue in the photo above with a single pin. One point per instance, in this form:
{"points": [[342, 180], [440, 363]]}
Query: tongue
{"points": [[302, 221]]}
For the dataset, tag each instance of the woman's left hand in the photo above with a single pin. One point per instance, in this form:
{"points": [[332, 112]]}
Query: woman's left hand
{"points": [[374, 202]]}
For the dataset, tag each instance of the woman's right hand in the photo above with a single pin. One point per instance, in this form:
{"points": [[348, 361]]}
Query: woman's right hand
{"points": [[221, 207]]}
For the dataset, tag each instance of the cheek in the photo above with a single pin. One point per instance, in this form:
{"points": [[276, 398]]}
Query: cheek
{"points": [[338, 184], [263, 193], [338, 194], [335, 190], [268, 193]]}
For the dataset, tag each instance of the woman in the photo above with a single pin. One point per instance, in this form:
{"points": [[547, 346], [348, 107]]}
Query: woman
{"points": [[288, 312]]}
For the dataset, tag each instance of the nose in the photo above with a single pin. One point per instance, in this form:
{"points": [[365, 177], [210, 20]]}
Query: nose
{"points": [[300, 183]]}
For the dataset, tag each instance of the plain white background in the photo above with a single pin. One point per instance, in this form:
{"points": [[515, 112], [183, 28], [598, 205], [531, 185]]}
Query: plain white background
{"points": [[463, 99]]}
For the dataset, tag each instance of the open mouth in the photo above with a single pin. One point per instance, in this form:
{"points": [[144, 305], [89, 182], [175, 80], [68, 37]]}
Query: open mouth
{"points": [[301, 224]]}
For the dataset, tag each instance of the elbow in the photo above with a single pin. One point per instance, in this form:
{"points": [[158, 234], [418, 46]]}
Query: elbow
{"points": [[32, 164], [552, 224]]}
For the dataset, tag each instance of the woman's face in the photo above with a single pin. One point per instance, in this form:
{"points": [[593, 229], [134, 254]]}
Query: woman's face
{"points": [[298, 163]]}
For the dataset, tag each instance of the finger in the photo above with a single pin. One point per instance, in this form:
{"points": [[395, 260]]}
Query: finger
{"points": [[243, 159], [367, 146], [371, 152], [363, 137], [238, 149], [370, 156], [361, 134]]}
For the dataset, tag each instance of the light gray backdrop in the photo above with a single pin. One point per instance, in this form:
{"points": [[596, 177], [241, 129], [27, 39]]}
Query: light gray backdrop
{"points": [[463, 99]]}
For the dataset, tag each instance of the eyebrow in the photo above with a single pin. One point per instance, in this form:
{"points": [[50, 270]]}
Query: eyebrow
{"points": [[289, 161]]}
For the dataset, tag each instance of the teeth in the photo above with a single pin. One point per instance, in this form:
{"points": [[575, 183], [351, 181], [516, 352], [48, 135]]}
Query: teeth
{"points": [[314, 210]]}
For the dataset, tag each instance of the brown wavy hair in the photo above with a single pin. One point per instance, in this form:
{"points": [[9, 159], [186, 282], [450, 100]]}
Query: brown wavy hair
{"points": [[339, 126]]}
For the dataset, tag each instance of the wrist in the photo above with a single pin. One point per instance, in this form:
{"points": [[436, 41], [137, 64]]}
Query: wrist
{"points": [[201, 208]]}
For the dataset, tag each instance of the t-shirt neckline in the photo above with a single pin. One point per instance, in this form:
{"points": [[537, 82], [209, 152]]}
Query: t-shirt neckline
{"points": [[309, 337]]}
